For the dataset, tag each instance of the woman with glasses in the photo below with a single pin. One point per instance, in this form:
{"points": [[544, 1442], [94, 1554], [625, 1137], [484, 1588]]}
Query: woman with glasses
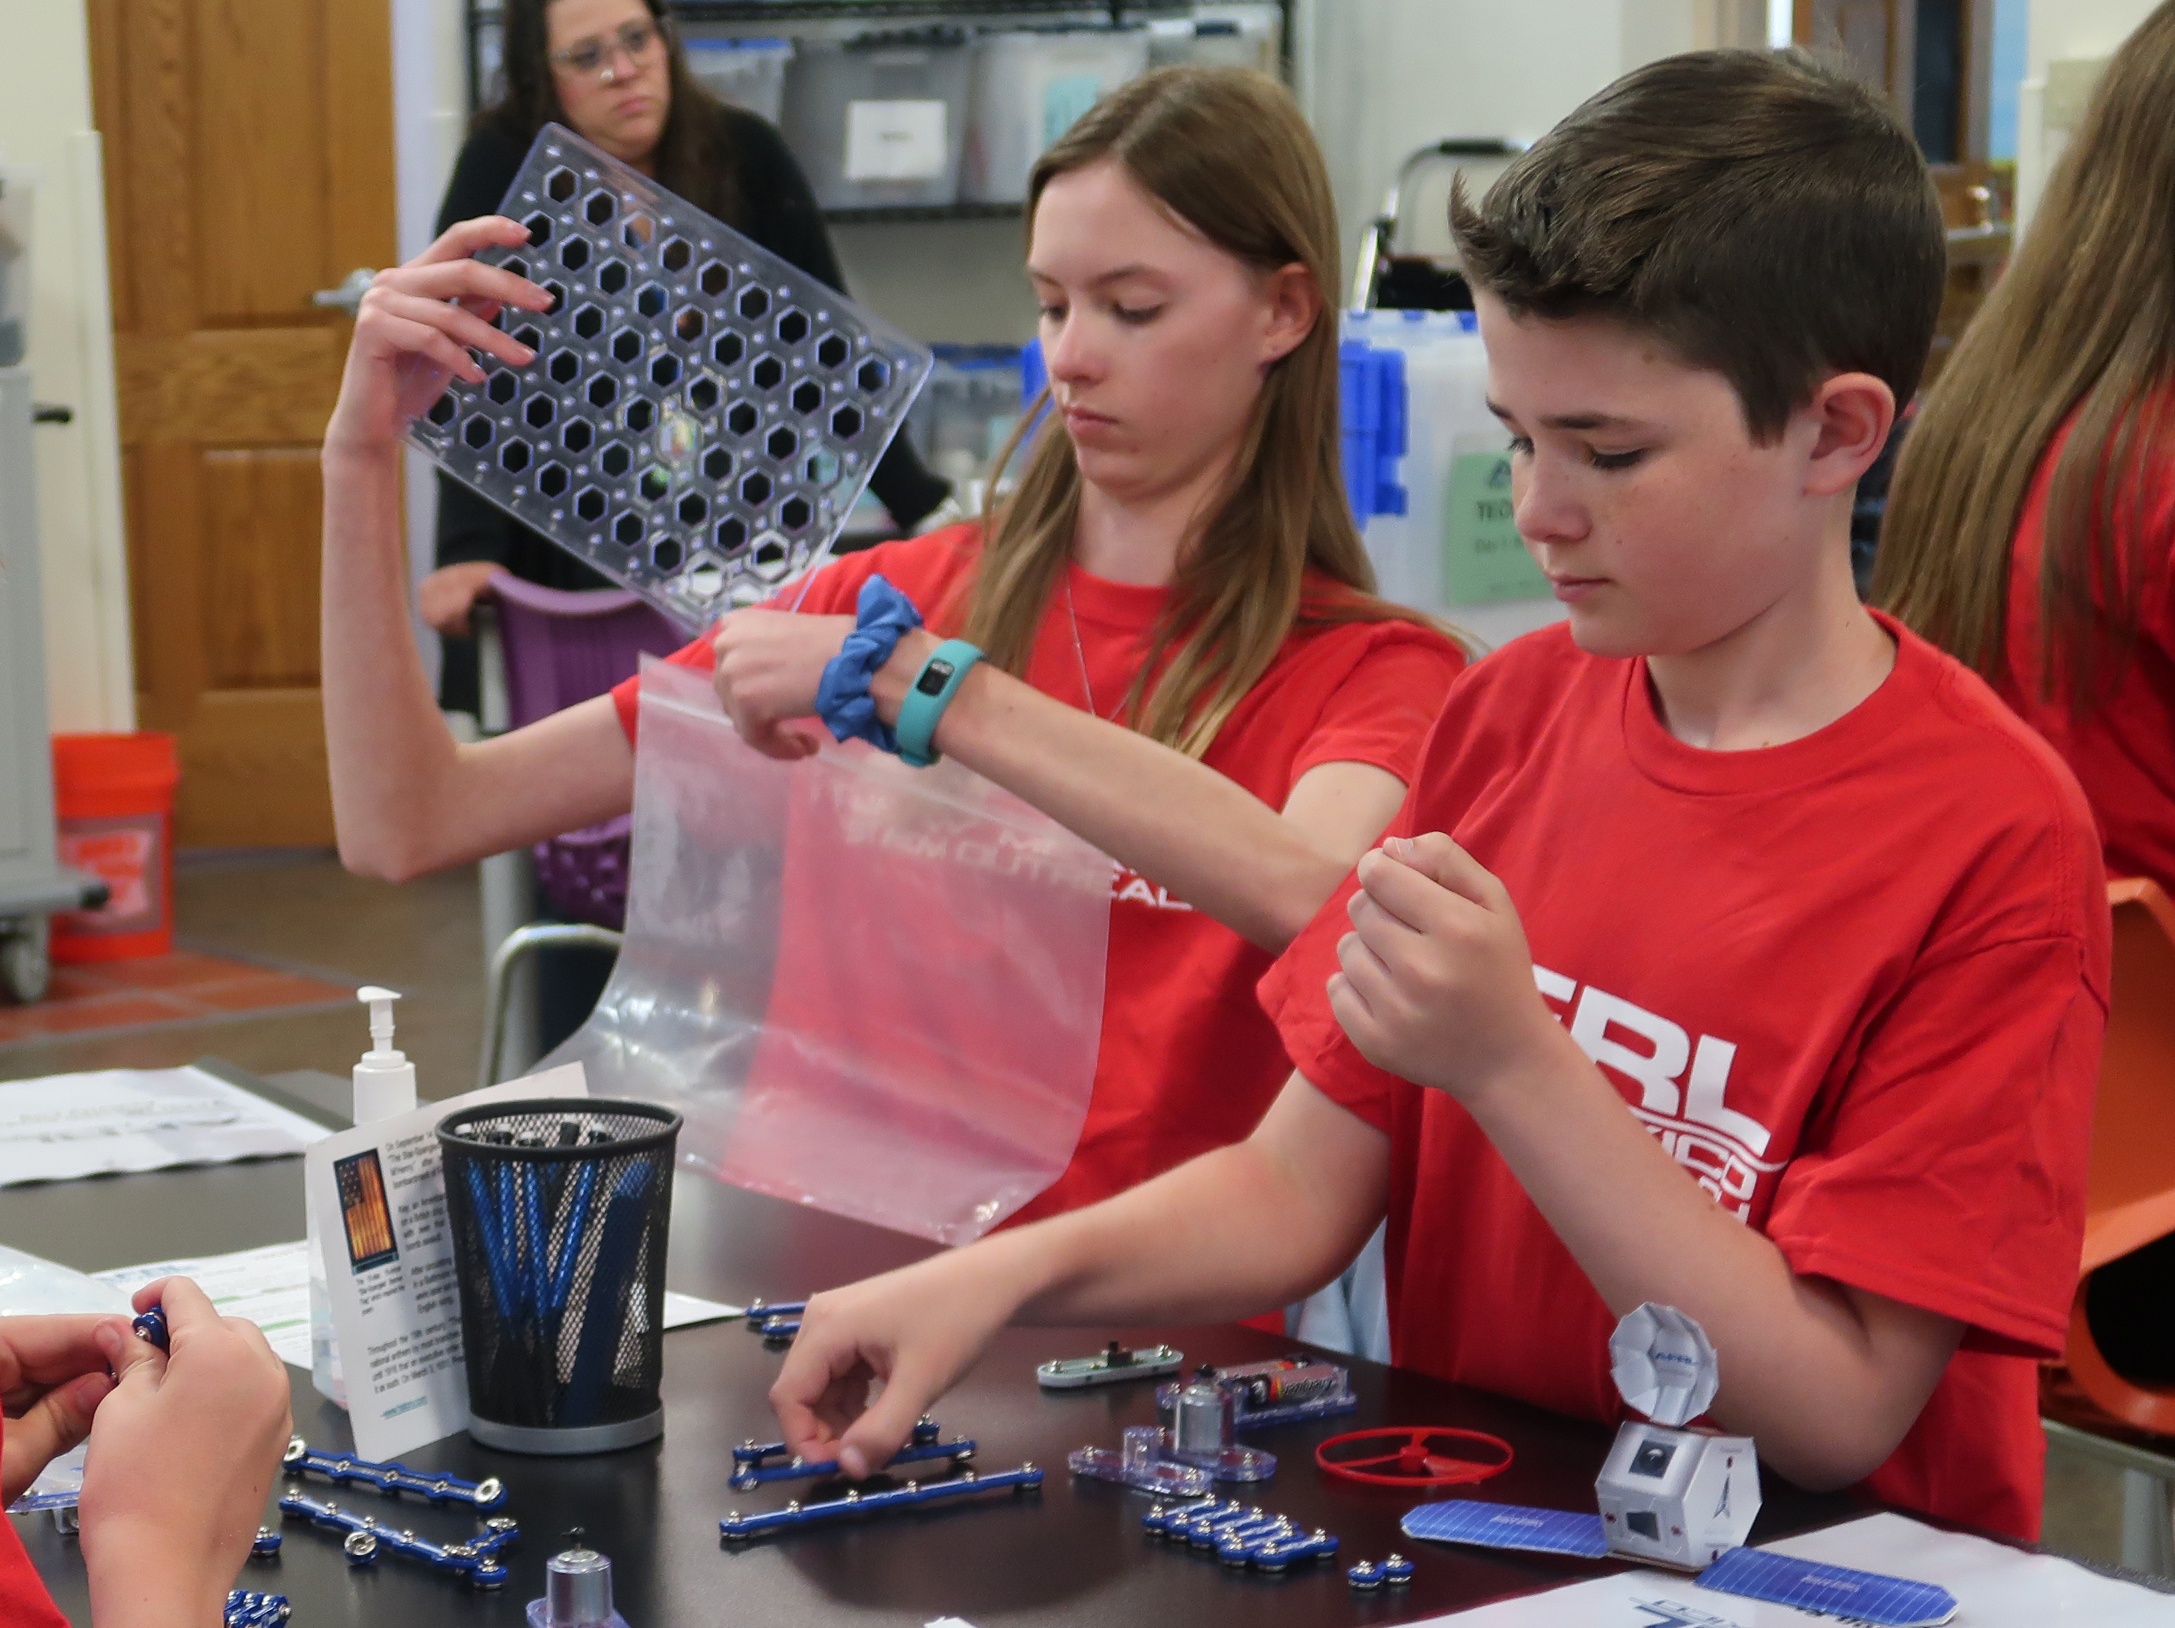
{"points": [[613, 71]]}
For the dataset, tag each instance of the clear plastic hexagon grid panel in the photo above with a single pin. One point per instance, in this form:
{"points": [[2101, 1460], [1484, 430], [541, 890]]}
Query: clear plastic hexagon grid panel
{"points": [[700, 416]]}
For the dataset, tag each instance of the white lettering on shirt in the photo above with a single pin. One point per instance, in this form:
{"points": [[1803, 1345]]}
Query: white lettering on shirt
{"points": [[1681, 1088], [1130, 887]]}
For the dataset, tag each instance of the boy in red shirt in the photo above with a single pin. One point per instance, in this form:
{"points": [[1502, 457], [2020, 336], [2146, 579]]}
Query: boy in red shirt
{"points": [[1735, 949]]}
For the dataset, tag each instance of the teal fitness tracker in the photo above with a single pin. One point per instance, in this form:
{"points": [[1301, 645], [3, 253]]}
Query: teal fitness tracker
{"points": [[928, 696]]}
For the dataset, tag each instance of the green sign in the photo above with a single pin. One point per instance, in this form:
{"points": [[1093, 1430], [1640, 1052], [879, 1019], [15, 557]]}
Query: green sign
{"points": [[1483, 559]]}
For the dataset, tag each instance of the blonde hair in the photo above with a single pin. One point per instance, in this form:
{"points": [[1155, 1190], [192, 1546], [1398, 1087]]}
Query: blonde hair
{"points": [[1227, 151], [2083, 323]]}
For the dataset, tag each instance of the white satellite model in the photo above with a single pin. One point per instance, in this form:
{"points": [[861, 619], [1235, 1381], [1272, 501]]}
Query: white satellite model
{"points": [[1679, 1497]]}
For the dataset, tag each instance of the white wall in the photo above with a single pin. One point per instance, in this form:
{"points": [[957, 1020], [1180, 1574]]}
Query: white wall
{"points": [[2061, 31], [45, 125]]}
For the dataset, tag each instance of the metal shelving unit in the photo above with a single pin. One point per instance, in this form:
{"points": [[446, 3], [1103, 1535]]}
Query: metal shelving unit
{"points": [[483, 15]]}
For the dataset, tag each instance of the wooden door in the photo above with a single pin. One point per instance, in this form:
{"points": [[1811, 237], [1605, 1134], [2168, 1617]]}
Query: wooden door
{"points": [[249, 164]]}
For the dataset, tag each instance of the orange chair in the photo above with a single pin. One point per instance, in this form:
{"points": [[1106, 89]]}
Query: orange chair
{"points": [[2122, 1337]]}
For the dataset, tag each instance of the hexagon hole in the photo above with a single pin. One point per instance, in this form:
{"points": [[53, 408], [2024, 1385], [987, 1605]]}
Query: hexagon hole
{"points": [[655, 483], [589, 503], [741, 417], [442, 410], [694, 509], [556, 294], [589, 321], [613, 275], [627, 346], [872, 375], [690, 324], [794, 513], [832, 351], [574, 253], [781, 443], [664, 372], [717, 463], [754, 303], [641, 414], [564, 368], [477, 432], [539, 225], [530, 335], [771, 558], [551, 480], [730, 347], [731, 534], [792, 326], [513, 457], [703, 394], [539, 412], [665, 554], [628, 530], [615, 460], [846, 423], [578, 436], [755, 488], [768, 373], [714, 279], [651, 300], [807, 396], [603, 390], [599, 208], [677, 254], [637, 230], [502, 388], [561, 184]]}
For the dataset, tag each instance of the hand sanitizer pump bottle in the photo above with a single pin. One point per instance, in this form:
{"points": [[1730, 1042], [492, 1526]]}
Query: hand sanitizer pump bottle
{"points": [[384, 1087]]}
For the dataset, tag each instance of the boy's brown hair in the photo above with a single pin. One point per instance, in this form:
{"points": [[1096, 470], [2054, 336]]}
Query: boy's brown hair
{"points": [[1761, 214]]}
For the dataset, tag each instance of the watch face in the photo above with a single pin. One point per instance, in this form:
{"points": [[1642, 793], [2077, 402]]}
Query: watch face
{"points": [[934, 677]]}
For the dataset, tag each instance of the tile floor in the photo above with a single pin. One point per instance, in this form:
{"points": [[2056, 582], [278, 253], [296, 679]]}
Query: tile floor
{"points": [[302, 912]]}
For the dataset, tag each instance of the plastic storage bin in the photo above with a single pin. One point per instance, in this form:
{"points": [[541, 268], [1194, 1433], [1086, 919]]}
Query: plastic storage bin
{"points": [[1029, 85], [15, 196], [1236, 36], [115, 798], [963, 415], [747, 73], [879, 121]]}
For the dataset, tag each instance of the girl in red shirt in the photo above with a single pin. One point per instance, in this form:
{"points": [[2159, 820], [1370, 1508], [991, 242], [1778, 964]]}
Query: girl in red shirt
{"points": [[184, 1446], [2031, 527], [1185, 663]]}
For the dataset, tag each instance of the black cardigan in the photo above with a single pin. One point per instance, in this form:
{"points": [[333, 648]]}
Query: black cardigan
{"points": [[778, 211]]}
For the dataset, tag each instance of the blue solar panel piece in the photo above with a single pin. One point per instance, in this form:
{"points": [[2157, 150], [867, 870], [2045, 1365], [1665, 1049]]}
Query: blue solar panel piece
{"points": [[1508, 1526], [701, 415], [1862, 1596]]}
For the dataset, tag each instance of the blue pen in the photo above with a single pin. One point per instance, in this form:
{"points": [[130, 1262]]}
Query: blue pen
{"points": [[570, 1246], [609, 1287], [539, 1264], [493, 1250]]}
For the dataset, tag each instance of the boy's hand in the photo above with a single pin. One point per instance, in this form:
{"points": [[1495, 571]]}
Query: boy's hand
{"points": [[912, 1334], [769, 664], [183, 1453], [1437, 985], [52, 1378]]}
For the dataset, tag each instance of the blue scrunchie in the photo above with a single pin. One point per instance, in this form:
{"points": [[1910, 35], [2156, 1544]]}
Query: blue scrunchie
{"points": [[882, 617]]}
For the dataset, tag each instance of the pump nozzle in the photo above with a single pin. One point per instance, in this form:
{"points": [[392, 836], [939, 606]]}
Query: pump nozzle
{"points": [[384, 1079], [380, 1002]]}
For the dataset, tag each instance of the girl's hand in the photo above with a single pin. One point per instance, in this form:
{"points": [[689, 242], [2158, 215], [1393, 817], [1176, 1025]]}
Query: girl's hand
{"points": [[52, 1378], [768, 666], [416, 327], [183, 1453]]}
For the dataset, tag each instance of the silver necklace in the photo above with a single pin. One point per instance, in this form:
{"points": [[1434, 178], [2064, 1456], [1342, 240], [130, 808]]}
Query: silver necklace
{"points": [[1087, 688]]}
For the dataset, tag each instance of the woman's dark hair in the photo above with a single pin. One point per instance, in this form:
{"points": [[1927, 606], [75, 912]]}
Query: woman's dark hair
{"points": [[695, 156]]}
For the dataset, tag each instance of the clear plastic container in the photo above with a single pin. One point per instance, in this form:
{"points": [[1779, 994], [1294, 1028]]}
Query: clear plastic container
{"points": [[962, 417], [878, 121], [747, 73], [1029, 86], [15, 198], [1220, 36]]}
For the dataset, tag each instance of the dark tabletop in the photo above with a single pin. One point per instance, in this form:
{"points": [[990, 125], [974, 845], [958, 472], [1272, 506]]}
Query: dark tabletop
{"points": [[1074, 1553]]}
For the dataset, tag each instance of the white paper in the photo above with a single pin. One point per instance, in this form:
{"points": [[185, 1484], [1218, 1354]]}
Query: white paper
{"points": [[269, 1287], [398, 1319], [897, 141], [1995, 1587], [70, 1125]]}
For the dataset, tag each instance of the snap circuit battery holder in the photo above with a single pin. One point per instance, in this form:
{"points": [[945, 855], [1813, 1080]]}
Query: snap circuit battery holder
{"points": [[1680, 1497], [700, 415]]}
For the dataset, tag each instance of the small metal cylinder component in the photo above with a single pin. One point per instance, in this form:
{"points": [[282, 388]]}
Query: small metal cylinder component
{"points": [[578, 1589], [1202, 1421]]}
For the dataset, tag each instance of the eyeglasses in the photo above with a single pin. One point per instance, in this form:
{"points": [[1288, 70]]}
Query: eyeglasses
{"points": [[596, 57]]}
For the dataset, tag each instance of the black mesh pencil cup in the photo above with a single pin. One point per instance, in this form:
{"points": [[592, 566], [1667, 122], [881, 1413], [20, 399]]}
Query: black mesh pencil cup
{"points": [[558, 1211]]}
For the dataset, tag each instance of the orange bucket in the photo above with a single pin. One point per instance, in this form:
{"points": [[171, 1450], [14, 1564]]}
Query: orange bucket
{"points": [[115, 797]]}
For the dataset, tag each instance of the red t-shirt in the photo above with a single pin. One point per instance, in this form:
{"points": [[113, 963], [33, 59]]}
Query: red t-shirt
{"points": [[2124, 750], [1854, 983], [1188, 1061], [24, 1602]]}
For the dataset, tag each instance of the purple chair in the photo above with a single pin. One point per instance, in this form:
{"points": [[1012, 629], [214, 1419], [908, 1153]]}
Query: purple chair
{"points": [[560, 648]]}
